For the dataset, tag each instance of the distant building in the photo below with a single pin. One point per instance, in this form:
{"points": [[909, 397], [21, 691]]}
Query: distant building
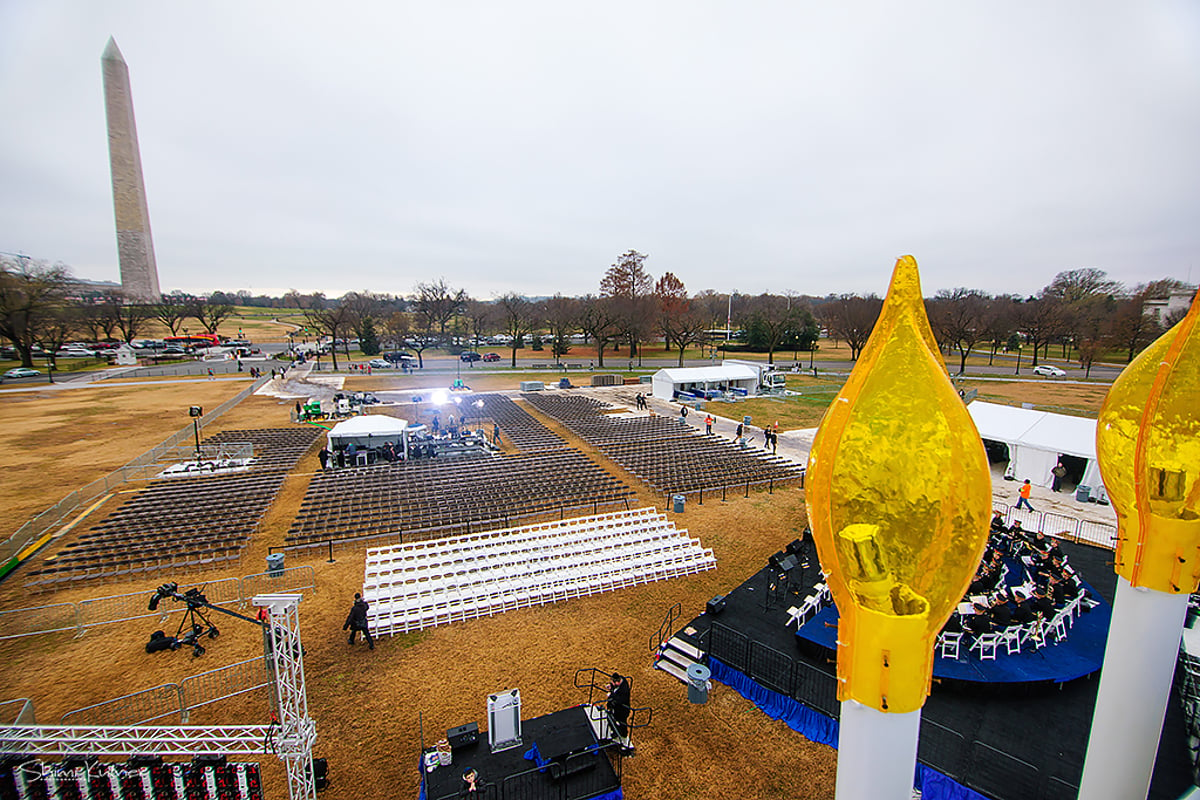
{"points": [[1161, 308]]}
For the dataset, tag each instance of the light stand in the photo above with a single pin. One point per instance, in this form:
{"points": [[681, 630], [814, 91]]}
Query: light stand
{"points": [[195, 412]]}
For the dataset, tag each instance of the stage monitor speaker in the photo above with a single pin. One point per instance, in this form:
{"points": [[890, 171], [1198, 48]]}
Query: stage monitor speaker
{"points": [[783, 561], [209, 760], [795, 547], [463, 735], [715, 606]]}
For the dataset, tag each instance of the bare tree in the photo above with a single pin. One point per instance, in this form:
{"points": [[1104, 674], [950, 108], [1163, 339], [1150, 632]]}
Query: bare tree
{"points": [[561, 316], [1040, 319], [396, 327], [209, 314], [1093, 326], [131, 315], [956, 316], [437, 304], [1132, 328], [366, 317], [680, 321], [600, 322], [518, 316], [770, 319], [852, 318], [332, 322], [171, 311], [996, 324], [482, 320], [631, 289], [30, 291]]}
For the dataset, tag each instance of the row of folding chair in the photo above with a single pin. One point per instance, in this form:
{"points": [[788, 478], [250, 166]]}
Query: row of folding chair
{"points": [[1015, 638], [485, 573], [454, 606], [486, 540], [515, 548]]}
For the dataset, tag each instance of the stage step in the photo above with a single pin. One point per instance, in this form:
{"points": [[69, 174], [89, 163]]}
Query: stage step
{"points": [[598, 718], [671, 668], [690, 650], [675, 656]]}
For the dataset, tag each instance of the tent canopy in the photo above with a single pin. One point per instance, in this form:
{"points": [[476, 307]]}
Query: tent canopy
{"points": [[668, 381], [370, 430], [1036, 439]]}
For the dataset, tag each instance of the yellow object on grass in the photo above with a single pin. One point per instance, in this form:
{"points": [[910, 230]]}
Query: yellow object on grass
{"points": [[899, 498], [1148, 446]]}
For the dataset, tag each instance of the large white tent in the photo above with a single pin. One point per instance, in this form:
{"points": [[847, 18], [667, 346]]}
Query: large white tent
{"points": [[371, 430], [667, 382], [1036, 440]]}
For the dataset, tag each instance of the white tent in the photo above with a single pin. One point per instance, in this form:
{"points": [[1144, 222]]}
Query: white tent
{"points": [[1036, 439], [372, 430], [667, 382]]}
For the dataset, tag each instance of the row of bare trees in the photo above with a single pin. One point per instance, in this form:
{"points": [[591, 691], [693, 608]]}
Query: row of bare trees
{"points": [[1082, 311], [41, 305]]}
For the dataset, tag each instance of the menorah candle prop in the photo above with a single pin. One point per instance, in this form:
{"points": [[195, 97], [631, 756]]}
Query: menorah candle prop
{"points": [[899, 500], [1148, 446]]}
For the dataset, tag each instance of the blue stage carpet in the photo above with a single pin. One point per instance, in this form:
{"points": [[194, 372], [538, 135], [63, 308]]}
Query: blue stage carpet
{"points": [[1081, 654]]}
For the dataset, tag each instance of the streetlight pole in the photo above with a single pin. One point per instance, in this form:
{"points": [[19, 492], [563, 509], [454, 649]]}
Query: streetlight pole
{"points": [[1018, 372]]}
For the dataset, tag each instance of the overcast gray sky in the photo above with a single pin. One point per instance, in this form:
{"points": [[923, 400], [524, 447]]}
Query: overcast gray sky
{"points": [[792, 146]]}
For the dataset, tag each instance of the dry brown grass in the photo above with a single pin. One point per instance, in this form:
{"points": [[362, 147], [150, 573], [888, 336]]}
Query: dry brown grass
{"points": [[367, 703]]}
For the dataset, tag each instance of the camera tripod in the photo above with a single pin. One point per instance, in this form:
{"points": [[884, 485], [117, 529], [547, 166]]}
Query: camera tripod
{"points": [[197, 625]]}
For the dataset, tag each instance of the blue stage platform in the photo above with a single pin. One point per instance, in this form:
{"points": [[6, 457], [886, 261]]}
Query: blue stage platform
{"points": [[1080, 655]]}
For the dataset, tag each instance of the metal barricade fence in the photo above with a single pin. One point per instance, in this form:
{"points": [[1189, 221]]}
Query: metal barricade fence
{"points": [[157, 703], [222, 683], [17, 712], [53, 618], [141, 468], [1060, 525], [123, 607], [1097, 533], [291, 579]]}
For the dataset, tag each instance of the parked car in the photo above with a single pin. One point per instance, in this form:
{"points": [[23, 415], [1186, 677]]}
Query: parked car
{"points": [[1048, 371], [174, 350], [400, 357], [470, 356], [22, 372], [491, 356], [379, 363], [75, 352]]}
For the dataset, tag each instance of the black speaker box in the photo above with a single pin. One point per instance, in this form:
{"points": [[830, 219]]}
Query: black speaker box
{"points": [[463, 735], [783, 560], [795, 547], [716, 605]]}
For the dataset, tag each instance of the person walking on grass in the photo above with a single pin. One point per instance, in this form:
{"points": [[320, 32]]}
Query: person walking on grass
{"points": [[356, 621], [1023, 500]]}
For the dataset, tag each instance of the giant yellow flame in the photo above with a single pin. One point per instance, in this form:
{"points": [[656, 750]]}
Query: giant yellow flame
{"points": [[899, 498], [1148, 445]]}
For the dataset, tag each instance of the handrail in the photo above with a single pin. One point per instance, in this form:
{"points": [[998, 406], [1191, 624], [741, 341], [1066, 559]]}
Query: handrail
{"points": [[668, 623]]}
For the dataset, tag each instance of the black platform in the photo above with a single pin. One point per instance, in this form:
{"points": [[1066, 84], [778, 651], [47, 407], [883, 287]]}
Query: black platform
{"points": [[579, 770], [1005, 741]]}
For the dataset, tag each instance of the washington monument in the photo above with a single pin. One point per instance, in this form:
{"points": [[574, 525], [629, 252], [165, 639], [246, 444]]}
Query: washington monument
{"points": [[135, 248]]}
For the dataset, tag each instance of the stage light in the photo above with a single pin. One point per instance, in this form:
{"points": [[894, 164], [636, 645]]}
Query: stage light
{"points": [[439, 397]]}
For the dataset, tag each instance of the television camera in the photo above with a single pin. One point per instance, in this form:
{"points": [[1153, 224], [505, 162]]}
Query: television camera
{"points": [[195, 624]]}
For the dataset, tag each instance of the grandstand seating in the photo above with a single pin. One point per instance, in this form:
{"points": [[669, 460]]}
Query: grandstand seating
{"points": [[425, 584], [672, 458], [183, 522]]}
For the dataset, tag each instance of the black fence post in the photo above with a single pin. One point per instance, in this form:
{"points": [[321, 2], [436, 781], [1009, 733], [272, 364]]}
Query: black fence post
{"points": [[723, 493], [747, 488], [771, 489], [331, 560], [701, 497]]}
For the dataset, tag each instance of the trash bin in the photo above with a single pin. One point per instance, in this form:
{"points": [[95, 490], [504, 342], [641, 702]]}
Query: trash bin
{"points": [[275, 565], [746, 420], [698, 676], [1083, 493], [678, 501]]}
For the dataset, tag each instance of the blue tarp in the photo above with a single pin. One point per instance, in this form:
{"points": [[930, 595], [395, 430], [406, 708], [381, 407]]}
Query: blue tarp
{"points": [[819, 728]]}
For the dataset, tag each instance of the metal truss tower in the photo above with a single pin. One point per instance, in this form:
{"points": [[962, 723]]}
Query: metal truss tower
{"points": [[291, 738]]}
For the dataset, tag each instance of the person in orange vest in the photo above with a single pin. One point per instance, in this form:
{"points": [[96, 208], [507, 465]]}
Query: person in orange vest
{"points": [[1023, 500], [708, 423]]}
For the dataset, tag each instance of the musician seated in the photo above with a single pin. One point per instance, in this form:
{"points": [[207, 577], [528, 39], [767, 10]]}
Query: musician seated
{"points": [[998, 525], [980, 622]]}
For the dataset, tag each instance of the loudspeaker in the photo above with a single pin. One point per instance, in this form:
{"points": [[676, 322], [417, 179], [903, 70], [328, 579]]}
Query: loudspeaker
{"points": [[320, 772], [795, 546], [715, 606], [463, 735], [209, 760], [783, 560]]}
